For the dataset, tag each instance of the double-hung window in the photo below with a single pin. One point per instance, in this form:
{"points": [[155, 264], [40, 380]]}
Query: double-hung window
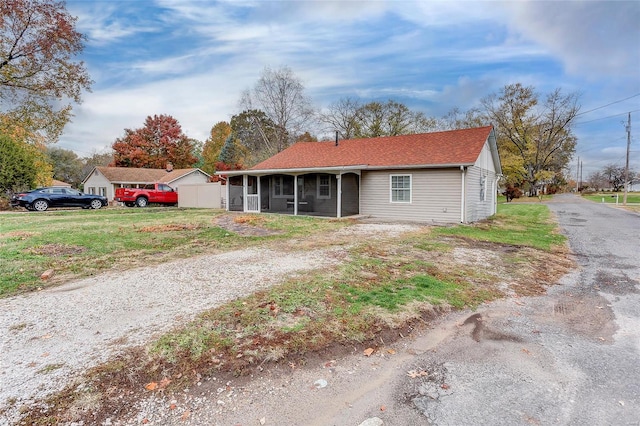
{"points": [[400, 188], [324, 187]]}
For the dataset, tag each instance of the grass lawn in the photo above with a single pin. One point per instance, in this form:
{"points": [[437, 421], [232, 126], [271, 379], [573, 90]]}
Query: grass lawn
{"points": [[515, 224], [79, 243], [389, 285], [610, 198]]}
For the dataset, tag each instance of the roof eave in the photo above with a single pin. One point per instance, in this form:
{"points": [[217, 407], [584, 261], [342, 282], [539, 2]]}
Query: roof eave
{"points": [[334, 169]]}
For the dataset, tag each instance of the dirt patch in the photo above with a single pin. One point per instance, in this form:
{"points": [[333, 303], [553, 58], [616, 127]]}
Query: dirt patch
{"points": [[169, 227], [589, 316], [245, 225], [21, 235], [56, 250]]}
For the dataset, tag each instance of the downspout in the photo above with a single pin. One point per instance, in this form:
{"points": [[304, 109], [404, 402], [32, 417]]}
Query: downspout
{"points": [[462, 196]]}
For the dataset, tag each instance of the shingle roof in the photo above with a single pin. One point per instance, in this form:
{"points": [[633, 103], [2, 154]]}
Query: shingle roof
{"points": [[454, 147], [140, 175]]}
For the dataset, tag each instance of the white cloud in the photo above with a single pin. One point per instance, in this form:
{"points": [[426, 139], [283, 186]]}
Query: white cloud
{"points": [[592, 38]]}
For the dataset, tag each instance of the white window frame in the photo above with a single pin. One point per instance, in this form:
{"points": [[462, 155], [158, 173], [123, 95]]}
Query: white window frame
{"points": [[279, 180], [327, 186], [392, 189]]}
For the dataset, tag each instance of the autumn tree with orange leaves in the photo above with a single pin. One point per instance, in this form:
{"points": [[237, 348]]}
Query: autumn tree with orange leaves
{"points": [[39, 78], [153, 146]]}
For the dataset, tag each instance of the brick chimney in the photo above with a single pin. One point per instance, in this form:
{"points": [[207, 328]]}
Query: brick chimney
{"points": [[169, 166]]}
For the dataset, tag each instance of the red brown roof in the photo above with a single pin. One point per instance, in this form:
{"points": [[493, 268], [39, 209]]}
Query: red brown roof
{"points": [[141, 175], [454, 147]]}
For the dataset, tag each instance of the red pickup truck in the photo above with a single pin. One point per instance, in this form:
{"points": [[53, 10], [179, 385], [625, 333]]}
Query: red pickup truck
{"points": [[152, 193]]}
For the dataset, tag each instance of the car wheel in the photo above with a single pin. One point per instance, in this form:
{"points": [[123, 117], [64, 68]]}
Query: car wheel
{"points": [[141, 202], [96, 204], [40, 205]]}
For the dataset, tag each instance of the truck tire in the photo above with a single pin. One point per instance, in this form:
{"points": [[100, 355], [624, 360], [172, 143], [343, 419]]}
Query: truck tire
{"points": [[142, 202]]}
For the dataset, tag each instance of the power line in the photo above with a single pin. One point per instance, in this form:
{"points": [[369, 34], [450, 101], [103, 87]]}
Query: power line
{"points": [[603, 118], [609, 104]]}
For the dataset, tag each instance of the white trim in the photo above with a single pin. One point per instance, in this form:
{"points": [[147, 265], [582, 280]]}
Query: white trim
{"points": [[340, 169], [391, 188]]}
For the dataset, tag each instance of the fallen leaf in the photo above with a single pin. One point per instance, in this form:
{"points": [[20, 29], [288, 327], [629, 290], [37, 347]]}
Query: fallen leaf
{"points": [[391, 351], [519, 303], [368, 351], [172, 407], [164, 383], [151, 386], [444, 386], [46, 354], [414, 374], [526, 351], [145, 421], [382, 408], [185, 415]]}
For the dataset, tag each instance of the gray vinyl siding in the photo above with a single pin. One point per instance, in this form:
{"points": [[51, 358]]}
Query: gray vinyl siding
{"points": [[477, 209], [435, 195]]}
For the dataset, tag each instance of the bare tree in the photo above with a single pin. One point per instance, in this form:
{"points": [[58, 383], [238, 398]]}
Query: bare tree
{"points": [[342, 116], [280, 94], [355, 120]]}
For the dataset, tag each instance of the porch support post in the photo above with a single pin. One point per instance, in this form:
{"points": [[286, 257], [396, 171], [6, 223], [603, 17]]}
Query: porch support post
{"points": [[295, 195], [245, 179], [226, 202], [339, 195], [259, 195]]}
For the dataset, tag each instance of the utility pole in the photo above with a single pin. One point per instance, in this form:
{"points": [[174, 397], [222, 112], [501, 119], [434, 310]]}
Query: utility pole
{"points": [[626, 167], [578, 176]]}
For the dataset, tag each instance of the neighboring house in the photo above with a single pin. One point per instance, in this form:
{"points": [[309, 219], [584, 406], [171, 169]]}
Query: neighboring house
{"points": [[55, 182], [448, 177], [105, 180]]}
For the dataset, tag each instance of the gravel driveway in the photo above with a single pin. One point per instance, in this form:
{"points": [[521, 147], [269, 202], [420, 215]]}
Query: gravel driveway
{"points": [[48, 337]]}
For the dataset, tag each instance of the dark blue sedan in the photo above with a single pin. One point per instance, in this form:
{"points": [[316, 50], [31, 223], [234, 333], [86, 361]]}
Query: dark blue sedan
{"points": [[42, 198]]}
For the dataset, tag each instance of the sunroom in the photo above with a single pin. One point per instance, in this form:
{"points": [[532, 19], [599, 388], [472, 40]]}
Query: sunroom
{"points": [[312, 192]]}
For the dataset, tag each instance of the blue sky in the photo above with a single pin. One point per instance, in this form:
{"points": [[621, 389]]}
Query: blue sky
{"points": [[193, 58]]}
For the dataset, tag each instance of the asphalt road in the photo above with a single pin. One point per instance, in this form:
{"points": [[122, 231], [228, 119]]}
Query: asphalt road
{"points": [[569, 358]]}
